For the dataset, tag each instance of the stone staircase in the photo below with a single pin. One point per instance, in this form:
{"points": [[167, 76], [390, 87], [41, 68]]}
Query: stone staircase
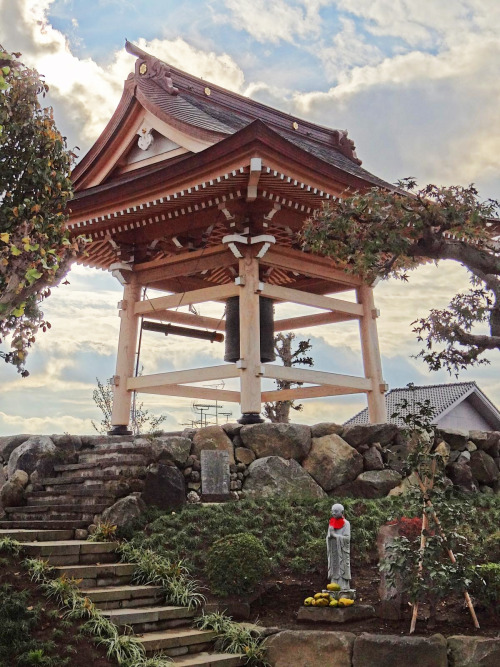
{"points": [[79, 492], [107, 583]]}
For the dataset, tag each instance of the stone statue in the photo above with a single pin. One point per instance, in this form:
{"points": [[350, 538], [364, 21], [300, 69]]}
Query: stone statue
{"points": [[338, 546]]}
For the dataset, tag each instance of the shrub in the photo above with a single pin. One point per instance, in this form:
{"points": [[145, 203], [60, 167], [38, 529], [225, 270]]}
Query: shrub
{"points": [[488, 588], [236, 564]]}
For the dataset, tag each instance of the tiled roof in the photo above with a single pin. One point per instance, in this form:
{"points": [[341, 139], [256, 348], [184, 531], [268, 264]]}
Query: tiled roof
{"points": [[441, 397], [228, 112]]}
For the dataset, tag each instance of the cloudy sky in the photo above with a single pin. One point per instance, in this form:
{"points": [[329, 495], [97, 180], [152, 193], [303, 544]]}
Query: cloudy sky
{"points": [[415, 83]]}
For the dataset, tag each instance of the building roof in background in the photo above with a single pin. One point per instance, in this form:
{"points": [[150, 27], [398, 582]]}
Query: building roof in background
{"points": [[443, 397]]}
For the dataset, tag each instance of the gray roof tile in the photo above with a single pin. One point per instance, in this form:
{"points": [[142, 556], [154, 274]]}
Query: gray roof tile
{"points": [[441, 397]]}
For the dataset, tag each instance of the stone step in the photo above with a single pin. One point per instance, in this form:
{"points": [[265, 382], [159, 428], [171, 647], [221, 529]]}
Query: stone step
{"points": [[69, 518], [53, 524], [125, 597], [70, 508], [105, 458], [170, 641], [35, 536], [96, 488], [97, 465], [88, 498], [205, 659], [77, 479], [73, 552], [102, 471], [152, 618], [92, 576], [102, 452]]}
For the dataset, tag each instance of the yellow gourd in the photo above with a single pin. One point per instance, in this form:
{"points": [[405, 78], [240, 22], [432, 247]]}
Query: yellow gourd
{"points": [[333, 587]]}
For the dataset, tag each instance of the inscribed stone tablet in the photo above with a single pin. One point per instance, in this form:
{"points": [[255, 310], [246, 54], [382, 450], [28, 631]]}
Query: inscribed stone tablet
{"points": [[215, 476]]}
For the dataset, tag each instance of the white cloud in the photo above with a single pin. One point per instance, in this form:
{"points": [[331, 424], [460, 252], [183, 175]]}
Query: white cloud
{"points": [[86, 92], [274, 21]]}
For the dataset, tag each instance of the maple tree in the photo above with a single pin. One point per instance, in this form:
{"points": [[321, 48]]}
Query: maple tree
{"points": [[379, 233], [35, 247]]}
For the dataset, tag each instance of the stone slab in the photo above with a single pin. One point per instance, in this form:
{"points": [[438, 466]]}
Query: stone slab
{"points": [[215, 476], [372, 650], [357, 612]]}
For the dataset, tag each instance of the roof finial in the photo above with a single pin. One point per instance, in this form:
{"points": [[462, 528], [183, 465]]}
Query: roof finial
{"points": [[149, 67]]}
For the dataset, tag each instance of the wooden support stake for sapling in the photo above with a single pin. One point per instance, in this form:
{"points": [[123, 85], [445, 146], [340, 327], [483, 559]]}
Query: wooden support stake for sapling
{"points": [[423, 541], [451, 555]]}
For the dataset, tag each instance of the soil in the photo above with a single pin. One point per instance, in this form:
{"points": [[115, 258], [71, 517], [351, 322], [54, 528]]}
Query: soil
{"points": [[278, 602], [85, 653]]}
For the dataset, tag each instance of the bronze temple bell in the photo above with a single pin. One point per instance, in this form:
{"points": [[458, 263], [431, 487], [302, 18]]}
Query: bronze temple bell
{"points": [[232, 341]]}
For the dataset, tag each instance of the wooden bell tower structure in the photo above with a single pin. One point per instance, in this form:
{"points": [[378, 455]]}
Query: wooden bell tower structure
{"points": [[198, 192]]}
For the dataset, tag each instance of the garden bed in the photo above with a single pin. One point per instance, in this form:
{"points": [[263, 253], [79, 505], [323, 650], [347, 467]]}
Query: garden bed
{"points": [[34, 628]]}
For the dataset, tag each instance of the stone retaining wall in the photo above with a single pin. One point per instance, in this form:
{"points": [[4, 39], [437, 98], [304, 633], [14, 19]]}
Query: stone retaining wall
{"points": [[310, 648], [290, 459]]}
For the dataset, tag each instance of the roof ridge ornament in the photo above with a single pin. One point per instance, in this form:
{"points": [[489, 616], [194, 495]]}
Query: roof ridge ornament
{"points": [[345, 145], [149, 67]]}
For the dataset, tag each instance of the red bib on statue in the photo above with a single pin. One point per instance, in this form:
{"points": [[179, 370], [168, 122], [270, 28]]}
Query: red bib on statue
{"points": [[337, 523]]}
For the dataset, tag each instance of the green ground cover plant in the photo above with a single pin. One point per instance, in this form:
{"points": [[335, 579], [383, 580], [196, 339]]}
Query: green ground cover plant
{"points": [[292, 530]]}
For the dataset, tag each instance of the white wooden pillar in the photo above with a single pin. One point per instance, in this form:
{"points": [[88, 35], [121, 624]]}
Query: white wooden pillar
{"points": [[125, 361], [250, 373], [371, 355]]}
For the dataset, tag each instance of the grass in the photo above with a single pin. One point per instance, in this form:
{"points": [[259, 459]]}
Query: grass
{"points": [[293, 530]]}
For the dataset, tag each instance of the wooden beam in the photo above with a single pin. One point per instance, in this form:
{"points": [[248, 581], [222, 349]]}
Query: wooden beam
{"points": [[253, 178], [127, 345], [143, 382], [313, 300], [186, 391], [250, 335], [186, 298], [316, 377], [199, 321], [372, 363], [311, 321], [306, 392], [184, 264], [307, 264]]}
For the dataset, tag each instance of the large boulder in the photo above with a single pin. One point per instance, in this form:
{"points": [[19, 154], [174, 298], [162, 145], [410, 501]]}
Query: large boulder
{"points": [[483, 467], [244, 455], [171, 448], [310, 648], [124, 512], [368, 434], [9, 442], [455, 437], [67, 443], [12, 495], [212, 437], [461, 476], [332, 462], [290, 441], [164, 487], [466, 651], [37, 453], [488, 441], [326, 428], [371, 484], [397, 454], [12, 491], [274, 475], [372, 459], [372, 650]]}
